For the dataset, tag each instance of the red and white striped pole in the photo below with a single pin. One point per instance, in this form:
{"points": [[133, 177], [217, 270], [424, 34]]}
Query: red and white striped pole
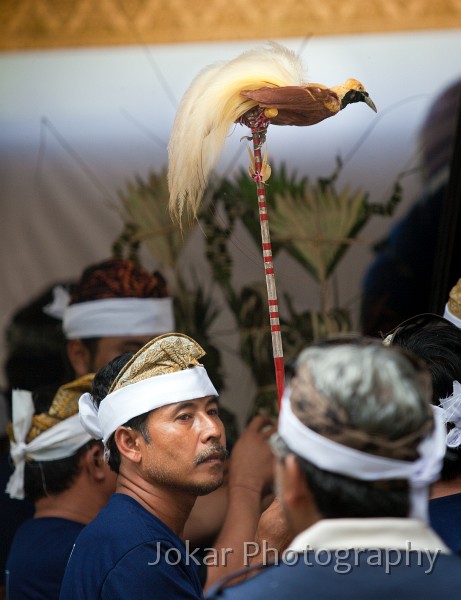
{"points": [[258, 124]]}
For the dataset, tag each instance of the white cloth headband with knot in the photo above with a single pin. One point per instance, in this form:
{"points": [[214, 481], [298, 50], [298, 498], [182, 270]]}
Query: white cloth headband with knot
{"points": [[451, 408], [141, 397], [343, 460], [449, 316], [60, 441], [112, 316]]}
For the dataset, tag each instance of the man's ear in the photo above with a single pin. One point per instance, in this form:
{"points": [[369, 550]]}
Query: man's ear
{"points": [[298, 502], [94, 462], [128, 443], [79, 357]]}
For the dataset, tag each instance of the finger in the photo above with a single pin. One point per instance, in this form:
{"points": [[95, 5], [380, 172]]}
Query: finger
{"points": [[258, 422], [268, 430]]}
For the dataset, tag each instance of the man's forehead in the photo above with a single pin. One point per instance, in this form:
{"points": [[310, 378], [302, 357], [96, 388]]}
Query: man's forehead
{"points": [[195, 403]]}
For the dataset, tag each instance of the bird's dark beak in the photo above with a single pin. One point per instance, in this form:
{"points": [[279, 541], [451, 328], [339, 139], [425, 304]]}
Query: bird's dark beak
{"points": [[366, 98]]}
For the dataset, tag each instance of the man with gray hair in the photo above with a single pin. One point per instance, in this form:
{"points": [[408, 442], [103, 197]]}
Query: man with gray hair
{"points": [[357, 448]]}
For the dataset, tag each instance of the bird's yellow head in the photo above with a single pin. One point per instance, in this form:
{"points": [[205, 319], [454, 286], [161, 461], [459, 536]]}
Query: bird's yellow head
{"points": [[353, 91]]}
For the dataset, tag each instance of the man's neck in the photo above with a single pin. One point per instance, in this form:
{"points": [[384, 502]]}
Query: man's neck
{"points": [[446, 488], [66, 505], [169, 505]]}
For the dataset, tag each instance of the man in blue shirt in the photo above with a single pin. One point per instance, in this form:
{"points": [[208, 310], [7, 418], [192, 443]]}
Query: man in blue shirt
{"points": [[162, 432], [357, 447], [61, 469], [437, 341]]}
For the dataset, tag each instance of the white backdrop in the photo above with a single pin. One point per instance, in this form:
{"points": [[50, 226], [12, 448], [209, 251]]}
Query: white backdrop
{"points": [[76, 125]]}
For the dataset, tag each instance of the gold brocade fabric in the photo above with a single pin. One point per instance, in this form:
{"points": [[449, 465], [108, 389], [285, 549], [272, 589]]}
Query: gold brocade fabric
{"points": [[64, 405], [165, 354], [454, 300]]}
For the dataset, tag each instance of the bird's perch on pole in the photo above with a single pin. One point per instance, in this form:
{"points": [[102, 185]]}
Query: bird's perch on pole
{"points": [[258, 88]]}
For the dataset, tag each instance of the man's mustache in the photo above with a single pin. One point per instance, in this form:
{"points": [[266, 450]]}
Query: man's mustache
{"points": [[217, 451]]}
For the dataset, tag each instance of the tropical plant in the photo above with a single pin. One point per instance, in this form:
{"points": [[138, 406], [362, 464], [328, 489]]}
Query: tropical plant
{"points": [[313, 221]]}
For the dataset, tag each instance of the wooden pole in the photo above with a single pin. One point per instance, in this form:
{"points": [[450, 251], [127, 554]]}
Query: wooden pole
{"points": [[258, 124]]}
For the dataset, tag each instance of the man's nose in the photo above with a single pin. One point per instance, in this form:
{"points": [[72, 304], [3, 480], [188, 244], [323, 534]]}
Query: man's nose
{"points": [[211, 427]]}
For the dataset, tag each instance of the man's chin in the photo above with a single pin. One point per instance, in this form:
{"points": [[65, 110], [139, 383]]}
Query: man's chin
{"points": [[206, 488]]}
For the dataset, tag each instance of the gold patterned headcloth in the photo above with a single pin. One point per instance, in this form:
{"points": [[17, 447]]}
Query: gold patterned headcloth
{"points": [[453, 306], [165, 371], [63, 406], [165, 354], [48, 436]]}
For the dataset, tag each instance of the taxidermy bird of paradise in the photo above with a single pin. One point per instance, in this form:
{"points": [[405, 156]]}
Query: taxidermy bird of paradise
{"points": [[255, 89], [270, 79]]}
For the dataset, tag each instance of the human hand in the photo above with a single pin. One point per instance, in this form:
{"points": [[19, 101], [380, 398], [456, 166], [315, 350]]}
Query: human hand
{"points": [[272, 532], [251, 459]]}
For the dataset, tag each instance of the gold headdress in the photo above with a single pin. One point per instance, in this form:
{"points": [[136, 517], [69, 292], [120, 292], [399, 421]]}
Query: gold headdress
{"points": [[165, 354], [165, 371], [454, 300], [64, 405]]}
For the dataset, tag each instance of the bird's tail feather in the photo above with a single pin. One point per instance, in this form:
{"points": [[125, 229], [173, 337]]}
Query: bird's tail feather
{"points": [[209, 108]]}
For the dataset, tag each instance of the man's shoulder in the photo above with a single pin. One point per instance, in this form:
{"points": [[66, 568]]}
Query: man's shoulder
{"points": [[443, 513], [123, 548], [44, 536], [343, 573], [451, 501], [121, 528], [130, 570], [125, 520]]}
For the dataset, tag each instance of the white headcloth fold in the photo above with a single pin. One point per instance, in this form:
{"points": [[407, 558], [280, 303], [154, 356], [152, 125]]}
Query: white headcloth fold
{"points": [[60, 441], [138, 398], [112, 316], [451, 408], [343, 460], [449, 316]]}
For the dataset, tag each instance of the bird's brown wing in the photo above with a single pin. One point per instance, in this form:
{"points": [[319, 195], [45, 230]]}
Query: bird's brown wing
{"points": [[296, 105]]}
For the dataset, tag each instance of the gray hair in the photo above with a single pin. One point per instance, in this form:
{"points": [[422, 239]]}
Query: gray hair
{"points": [[364, 397]]}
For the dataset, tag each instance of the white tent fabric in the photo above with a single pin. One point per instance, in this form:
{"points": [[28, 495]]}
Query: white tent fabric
{"points": [[76, 125]]}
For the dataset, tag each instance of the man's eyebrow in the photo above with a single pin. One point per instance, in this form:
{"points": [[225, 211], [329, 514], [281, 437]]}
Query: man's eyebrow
{"points": [[181, 406], [192, 404]]}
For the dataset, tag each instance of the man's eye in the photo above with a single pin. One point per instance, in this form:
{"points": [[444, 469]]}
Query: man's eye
{"points": [[184, 417], [213, 411]]}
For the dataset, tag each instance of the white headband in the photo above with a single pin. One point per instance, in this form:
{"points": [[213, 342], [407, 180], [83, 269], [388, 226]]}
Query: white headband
{"points": [[60, 441], [337, 458], [451, 408], [449, 316], [112, 316], [118, 316], [138, 398]]}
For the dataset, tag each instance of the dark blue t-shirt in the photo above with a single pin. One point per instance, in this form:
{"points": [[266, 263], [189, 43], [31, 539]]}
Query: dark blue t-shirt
{"points": [[445, 518], [350, 575], [38, 557], [13, 513], [126, 552]]}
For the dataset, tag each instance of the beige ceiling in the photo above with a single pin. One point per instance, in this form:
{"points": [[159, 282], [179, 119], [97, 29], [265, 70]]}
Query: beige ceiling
{"points": [[34, 24]]}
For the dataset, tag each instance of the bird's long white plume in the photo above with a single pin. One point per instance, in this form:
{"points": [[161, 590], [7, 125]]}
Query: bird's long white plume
{"points": [[209, 108]]}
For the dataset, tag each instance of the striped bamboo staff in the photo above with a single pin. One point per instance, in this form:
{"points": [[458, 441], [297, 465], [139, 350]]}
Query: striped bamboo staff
{"points": [[261, 86], [258, 124]]}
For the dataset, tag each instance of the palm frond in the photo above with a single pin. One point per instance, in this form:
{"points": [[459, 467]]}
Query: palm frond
{"points": [[317, 225], [238, 198], [145, 204]]}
